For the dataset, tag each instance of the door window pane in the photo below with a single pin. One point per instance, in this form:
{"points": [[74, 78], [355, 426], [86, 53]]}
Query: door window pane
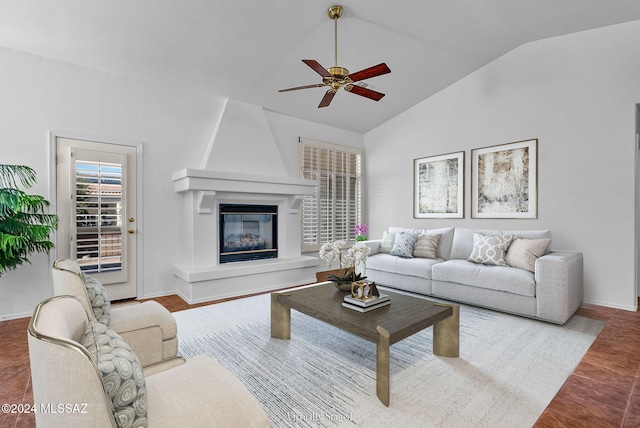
{"points": [[98, 216]]}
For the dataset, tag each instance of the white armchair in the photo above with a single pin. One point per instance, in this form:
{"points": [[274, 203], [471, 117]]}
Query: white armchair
{"points": [[148, 327], [198, 392]]}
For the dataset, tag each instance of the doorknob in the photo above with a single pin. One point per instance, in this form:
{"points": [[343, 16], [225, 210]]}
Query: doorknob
{"points": [[131, 219], [132, 231]]}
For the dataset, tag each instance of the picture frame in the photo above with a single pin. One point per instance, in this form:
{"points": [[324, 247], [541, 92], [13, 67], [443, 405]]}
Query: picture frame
{"points": [[504, 180], [438, 183]]}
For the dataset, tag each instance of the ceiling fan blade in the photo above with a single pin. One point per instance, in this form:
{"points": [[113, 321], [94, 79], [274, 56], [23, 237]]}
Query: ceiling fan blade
{"points": [[367, 93], [315, 65], [326, 100], [370, 72], [317, 85]]}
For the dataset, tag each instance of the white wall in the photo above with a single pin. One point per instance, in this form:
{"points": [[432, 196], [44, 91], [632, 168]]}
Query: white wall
{"points": [[577, 95], [174, 126]]}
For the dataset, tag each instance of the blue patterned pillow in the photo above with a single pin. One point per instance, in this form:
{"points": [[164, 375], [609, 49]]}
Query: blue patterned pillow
{"points": [[98, 298], [403, 245], [122, 374]]}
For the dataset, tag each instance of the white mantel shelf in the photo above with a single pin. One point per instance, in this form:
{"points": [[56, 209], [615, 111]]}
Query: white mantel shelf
{"points": [[198, 180]]}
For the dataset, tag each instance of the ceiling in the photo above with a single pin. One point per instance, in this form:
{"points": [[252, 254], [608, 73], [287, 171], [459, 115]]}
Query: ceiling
{"points": [[247, 50]]}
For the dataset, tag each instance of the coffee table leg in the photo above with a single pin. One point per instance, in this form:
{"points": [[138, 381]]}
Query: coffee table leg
{"points": [[446, 335], [382, 366], [280, 319]]}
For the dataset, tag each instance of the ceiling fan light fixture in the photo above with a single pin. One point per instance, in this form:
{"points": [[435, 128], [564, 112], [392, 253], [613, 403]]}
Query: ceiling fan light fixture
{"points": [[337, 77]]}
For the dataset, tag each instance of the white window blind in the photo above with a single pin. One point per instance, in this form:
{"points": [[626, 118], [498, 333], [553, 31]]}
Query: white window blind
{"points": [[335, 209], [98, 219]]}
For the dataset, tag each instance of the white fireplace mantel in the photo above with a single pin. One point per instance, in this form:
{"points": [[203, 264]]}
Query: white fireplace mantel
{"points": [[199, 274], [207, 184]]}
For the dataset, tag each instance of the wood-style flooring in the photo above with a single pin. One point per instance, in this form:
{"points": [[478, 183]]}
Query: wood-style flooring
{"points": [[603, 391]]}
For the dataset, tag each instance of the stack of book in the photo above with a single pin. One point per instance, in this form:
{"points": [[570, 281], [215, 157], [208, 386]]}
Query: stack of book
{"points": [[366, 305]]}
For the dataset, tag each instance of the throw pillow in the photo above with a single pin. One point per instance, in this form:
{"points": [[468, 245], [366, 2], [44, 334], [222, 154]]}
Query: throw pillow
{"points": [[98, 298], [490, 250], [426, 246], [122, 374], [523, 253], [404, 244], [388, 239]]}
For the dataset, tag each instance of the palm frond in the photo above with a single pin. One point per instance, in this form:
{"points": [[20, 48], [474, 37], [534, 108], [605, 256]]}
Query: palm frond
{"points": [[24, 225], [10, 175]]}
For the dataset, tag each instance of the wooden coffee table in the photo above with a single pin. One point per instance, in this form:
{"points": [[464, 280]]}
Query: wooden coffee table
{"points": [[405, 316]]}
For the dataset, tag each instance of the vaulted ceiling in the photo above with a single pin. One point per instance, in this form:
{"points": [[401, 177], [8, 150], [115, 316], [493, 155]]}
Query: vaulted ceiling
{"points": [[248, 49]]}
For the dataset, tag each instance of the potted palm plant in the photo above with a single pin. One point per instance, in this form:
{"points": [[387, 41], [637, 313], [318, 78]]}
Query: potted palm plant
{"points": [[24, 225]]}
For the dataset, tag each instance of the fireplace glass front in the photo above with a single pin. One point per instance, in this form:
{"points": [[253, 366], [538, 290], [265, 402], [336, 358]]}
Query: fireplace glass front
{"points": [[248, 232]]}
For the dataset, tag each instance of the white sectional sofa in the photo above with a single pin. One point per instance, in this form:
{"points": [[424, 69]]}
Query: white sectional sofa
{"points": [[545, 286]]}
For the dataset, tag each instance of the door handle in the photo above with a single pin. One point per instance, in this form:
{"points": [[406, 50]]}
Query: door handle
{"points": [[132, 231]]}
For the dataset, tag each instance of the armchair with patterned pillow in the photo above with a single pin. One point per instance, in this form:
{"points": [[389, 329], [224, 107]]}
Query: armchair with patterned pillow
{"points": [[148, 327], [84, 374]]}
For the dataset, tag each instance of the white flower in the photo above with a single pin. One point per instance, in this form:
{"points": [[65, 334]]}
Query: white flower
{"points": [[331, 251]]}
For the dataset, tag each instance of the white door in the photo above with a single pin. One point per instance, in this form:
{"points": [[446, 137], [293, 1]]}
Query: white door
{"points": [[96, 198]]}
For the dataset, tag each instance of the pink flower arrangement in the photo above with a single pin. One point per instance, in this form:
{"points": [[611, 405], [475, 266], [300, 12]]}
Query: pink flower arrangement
{"points": [[361, 231]]}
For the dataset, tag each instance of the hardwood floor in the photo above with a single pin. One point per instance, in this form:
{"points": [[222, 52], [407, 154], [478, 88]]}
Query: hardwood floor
{"points": [[603, 391]]}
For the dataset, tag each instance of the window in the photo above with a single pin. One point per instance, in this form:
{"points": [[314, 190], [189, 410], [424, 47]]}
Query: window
{"points": [[98, 246], [332, 213]]}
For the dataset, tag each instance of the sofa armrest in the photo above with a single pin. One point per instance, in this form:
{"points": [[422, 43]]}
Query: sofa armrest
{"points": [[559, 285], [374, 246]]}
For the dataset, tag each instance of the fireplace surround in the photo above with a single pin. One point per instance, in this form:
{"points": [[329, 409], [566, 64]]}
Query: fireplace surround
{"points": [[242, 165], [200, 274]]}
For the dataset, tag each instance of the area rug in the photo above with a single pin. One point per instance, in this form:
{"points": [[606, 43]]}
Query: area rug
{"points": [[508, 371]]}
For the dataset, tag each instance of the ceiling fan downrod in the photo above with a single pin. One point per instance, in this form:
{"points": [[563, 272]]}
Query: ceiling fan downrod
{"points": [[334, 13]]}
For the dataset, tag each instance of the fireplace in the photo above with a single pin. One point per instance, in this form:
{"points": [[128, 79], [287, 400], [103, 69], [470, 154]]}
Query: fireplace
{"points": [[242, 164], [248, 232]]}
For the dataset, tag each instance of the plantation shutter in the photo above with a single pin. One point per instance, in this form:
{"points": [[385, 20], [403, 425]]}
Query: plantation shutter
{"points": [[335, 209], [98, 226]]}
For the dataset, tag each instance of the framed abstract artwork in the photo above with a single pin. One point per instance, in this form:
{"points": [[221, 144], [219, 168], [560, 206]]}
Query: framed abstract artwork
{"points": [[438, 185], [504, 181]]}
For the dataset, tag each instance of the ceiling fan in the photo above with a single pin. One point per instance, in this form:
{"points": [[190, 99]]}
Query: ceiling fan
{"points": [[339, 77]]}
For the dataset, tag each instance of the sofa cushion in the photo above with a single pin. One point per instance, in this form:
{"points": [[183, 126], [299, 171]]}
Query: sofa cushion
{"points": [[404, 244], [426, 246], [462, 242], [490, 250], [418, 267], [444, 244], [523, 253], [499, 278], [388, 239], [98, 298], [122, 374]]}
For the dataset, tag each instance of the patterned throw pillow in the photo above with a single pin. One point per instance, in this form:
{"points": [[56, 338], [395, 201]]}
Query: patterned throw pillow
{"points": [[523, 253], [388, 239], [426, 246], [490, 250], [122, 374], [99, 299], [404, 244]]}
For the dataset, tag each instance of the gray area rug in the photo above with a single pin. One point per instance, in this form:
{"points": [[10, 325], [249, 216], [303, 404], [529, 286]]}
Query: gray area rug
{"points": [[508, 371]]}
